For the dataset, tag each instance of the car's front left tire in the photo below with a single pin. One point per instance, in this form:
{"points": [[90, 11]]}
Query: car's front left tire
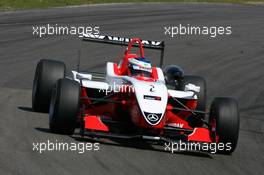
{"points": [[224, 121]]}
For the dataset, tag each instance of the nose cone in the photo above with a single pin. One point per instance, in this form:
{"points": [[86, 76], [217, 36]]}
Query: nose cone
{"points": [[152, 99]]}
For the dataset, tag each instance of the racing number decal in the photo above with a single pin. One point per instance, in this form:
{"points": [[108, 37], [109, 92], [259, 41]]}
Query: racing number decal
{"points": [[152, 88]]}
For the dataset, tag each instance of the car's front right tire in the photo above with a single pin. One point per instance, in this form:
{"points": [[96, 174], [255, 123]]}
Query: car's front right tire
{"points": [[64, 106]]}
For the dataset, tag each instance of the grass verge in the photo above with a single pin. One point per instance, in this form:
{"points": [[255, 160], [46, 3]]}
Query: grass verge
{"points": [[29, 4]]}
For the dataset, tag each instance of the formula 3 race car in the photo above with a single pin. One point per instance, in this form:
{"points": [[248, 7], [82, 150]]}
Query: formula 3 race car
{"points": [[133, 99]]}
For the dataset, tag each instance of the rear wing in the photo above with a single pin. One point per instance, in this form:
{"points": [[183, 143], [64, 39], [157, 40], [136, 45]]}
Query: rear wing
{"points": [[147, 44]]}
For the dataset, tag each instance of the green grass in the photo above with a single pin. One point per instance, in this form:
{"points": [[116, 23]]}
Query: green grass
{"points": [[28, 4]]}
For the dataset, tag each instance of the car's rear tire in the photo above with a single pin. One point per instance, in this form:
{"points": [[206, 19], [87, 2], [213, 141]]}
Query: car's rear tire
{"points": [[64, 106], [47, 73], [224, 115], [201, 97]]}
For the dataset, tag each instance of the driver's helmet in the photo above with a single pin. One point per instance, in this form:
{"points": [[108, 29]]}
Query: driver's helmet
{"points": [[139, 67]]}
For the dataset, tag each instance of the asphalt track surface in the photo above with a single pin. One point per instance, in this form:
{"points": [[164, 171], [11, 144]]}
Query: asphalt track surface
{"points": [[232, 66]]}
